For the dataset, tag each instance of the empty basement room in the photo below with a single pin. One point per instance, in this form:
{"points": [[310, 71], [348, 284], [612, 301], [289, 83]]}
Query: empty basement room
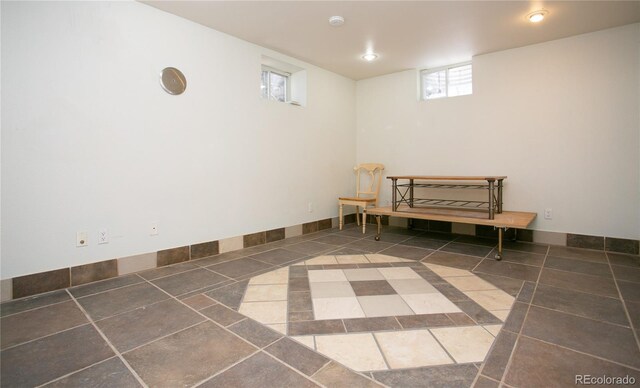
{"points": [[320, 194]]}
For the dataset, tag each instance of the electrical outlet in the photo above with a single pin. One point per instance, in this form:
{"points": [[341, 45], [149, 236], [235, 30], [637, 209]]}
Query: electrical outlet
{"points": [[81, 239], [310, 206], [154, 230], [103, 236], [548, 213]]}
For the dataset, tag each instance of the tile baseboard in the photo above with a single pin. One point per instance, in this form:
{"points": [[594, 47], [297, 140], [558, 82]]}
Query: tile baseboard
{"points": [[42, 282], [38, 283]]}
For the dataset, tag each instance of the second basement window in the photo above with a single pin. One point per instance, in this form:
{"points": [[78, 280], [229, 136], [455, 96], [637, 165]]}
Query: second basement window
{"points": [[275, 84], [450, 81]]}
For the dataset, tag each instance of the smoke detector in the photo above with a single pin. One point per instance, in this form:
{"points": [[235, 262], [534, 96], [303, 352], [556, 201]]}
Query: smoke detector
{"points": [[336, 21]]}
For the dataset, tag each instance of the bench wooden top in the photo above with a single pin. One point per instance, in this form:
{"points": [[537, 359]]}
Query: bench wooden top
{"points": [[448, 178], [519, 220]]}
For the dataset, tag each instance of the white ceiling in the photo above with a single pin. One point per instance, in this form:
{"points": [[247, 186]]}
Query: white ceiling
{"points": [[405, 34]]}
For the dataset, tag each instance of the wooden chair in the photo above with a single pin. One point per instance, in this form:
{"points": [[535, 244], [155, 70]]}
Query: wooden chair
{"points": [[366, 195]]}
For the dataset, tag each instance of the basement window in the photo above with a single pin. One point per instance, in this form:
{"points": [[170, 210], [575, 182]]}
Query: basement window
{"points": [[283, 82], [449, 81], [275, 84]]}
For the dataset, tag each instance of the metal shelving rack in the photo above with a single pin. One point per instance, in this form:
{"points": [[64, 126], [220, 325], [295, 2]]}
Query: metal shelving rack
{"points": [[404, 193]]}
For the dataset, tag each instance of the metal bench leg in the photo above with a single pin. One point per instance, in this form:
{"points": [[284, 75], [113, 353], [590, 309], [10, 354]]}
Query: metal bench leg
{"points": [[499, 254], [379, 222]]}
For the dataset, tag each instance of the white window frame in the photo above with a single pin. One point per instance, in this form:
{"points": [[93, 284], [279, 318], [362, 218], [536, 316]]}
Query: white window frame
{"points": [[287, 81], [446, 84]]}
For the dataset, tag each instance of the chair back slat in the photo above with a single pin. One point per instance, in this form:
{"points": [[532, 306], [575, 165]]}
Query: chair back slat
{"points": [[371, 189]]}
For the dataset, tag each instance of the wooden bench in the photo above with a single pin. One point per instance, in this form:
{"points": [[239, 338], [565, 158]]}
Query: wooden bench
{"points": [[501, 221]]}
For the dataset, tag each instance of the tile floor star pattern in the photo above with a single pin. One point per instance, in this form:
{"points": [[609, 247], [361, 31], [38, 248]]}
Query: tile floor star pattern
{"points": [[380, 291]]}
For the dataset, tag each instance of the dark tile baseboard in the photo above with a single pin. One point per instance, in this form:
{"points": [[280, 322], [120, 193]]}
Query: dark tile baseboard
{"points": [[41, 282], [38, 283], [28, 285], [610, 244]]}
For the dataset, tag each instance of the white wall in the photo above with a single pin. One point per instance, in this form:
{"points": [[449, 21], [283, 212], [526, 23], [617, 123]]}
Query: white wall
{"points": [[91, 141], [561, 119]]}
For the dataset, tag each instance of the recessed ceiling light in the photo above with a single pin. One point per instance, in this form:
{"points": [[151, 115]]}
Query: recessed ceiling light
{"points": [[336, 21], [370, 57], [537, 16]]}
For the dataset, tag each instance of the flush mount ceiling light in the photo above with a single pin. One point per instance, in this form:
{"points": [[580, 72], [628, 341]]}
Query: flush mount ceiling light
{"points": [[537, 16], [370, 57], [336, 21]]}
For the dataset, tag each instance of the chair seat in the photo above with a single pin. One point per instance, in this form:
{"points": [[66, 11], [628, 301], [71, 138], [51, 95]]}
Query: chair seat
{"points": [[356, 199]]}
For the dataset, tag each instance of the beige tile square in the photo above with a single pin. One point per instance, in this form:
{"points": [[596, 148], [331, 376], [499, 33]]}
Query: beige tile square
{"points": [[322, 260], [279, 276], [411, 286], [293, 231], [379, 258], [492, 299], [493, 329], [357, 351], [265, 312], [337, 308], [465, 344], [331, 290], [306, 340], [446, 272], [470, 283], [363, 274], [6, 290], [265, 293], [411, 349], [279, 327], [326, 275], [384, 306], [434, 303], [231, 244], [351, 259], [399, 273], [137, 263], [552, 238], [502, 314]]}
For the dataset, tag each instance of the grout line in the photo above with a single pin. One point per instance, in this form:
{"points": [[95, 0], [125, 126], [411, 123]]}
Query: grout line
{"points": [[171, 274], [165, 336], [624, 303], [384, 358], [226, 369], [217, 273], [130, 310], [524, 320], [45, 336], [140, 278], [636, 368], [35, 308], [443, 347], [286, 313], [582, 316], [113, 348], [68, 300], [75, 371]]}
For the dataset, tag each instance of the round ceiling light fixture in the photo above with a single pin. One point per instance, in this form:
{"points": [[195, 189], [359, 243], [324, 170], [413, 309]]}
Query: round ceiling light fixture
{"points": [[537, 16], [336, 21], [370, 57]]}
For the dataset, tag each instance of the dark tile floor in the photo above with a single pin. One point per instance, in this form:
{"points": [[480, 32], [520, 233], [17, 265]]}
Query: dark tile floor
{"points": [[577, 312]]}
